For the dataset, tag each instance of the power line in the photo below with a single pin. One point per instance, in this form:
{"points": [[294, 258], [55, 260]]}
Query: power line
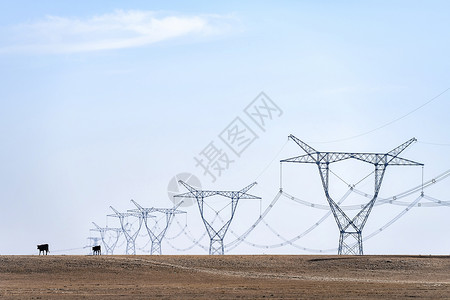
{"points": [[388, 123]]}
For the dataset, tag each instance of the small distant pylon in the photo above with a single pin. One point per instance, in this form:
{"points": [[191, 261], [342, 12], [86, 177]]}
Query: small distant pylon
{"points": [[155, 236], [109, 245], [129, 236], [350, 237], [216, 235]]}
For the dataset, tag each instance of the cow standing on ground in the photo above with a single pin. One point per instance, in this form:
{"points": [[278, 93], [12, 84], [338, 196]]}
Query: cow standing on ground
{"points": [[43, 248], [97, 250]]}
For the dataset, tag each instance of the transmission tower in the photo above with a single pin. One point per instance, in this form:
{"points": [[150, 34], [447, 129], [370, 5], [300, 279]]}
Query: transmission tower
{"points": [[217, 235], [351, 228], [129, 236], [155, 233], [112, 242]]}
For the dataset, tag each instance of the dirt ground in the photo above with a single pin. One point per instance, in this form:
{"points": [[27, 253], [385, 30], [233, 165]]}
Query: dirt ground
{"points": [[224, 277]]}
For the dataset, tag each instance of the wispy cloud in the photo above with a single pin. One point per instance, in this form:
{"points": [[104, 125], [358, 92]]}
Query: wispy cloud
{"points": [[120, 29]]}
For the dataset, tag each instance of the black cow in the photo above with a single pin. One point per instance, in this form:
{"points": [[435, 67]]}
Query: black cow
{"points": [[43, 248], [97, 250]]}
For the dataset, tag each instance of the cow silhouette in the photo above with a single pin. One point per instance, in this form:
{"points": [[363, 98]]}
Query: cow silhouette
{"points": [[43, 248], [97, 250]]}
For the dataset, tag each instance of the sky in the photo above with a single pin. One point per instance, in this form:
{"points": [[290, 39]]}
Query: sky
{"points": [[103, 102]]}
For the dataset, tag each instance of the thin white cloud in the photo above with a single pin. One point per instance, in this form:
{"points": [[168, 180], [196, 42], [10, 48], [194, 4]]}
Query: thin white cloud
{"points": [[121, 29]]}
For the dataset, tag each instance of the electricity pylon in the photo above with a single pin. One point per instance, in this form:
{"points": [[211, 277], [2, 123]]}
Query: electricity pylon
{"points": [[217, 235], [109, 246], [129, 236], [155, 236], [351, 228]]}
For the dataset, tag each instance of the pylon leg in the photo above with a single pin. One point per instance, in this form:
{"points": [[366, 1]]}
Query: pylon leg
{"points": [[216, 247], [156, 248], [350, 243], [131, 248]]}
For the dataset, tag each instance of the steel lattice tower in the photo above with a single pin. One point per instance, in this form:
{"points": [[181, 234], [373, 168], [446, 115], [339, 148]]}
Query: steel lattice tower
{"points": [[109, 247], [156, 237], [351, 228], [217, 235], [130, 237]]}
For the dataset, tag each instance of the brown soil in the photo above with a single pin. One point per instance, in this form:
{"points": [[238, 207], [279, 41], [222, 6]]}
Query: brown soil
{"points": [[222, 277]]}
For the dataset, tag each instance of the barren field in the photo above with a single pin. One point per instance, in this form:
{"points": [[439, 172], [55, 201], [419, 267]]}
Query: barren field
{"points": [[221, 277]]}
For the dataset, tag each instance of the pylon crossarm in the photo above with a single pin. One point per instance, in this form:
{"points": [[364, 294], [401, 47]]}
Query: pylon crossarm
{"points": [[197, 194], [137, 205], [174, 209], [397, 150], [303, 159], [227, 194], [332, 157], [371, 158], [188, 187], [209, 193], [186, 195], [236, 194], [134, 214], [120, 215], [170, 210], [139, 211], [307, 148], [117, 213], [193, 193], [247, 188], [145, 212], [398, 161]]}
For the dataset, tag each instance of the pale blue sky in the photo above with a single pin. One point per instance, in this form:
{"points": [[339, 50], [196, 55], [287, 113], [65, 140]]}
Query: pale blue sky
{"points": [[106, 101]]}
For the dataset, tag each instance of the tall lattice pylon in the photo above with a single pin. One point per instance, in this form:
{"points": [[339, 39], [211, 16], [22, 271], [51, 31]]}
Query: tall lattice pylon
{"points": [[350, 238], [129, 235], [110, 243], [155, 232], [216, 235]]}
